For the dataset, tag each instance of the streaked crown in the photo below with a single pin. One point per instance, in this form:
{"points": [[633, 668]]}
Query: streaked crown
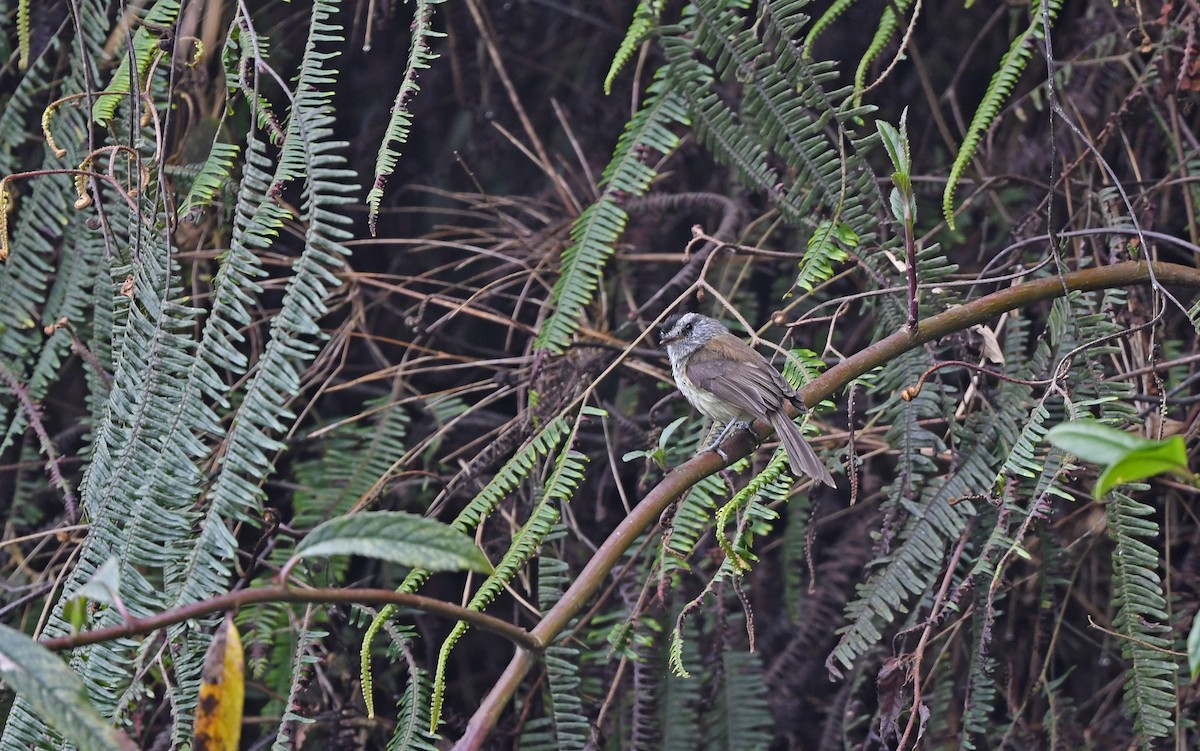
{"points": [[683, 333]]}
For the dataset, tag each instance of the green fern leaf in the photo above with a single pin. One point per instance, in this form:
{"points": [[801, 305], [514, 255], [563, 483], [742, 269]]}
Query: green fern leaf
{"points": [[419, 58], [145, 46], [1002, 83], [567, 473], [213, 176], [600, 225], [644, 17], [1142, 619]]}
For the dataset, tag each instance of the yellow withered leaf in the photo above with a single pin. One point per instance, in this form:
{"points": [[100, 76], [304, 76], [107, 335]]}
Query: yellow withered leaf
{"points": [[222, 691]]}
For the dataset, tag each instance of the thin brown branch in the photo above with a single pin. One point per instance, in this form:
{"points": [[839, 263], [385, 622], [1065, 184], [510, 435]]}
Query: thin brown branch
{"points": [[233, 600]]}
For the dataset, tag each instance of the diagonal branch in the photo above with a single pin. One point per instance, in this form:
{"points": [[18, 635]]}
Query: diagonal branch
{"points": [[678, 481]]}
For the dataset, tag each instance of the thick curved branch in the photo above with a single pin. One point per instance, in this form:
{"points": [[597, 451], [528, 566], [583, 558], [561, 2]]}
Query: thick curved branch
{"points": [[243, 597], [678, 481]]}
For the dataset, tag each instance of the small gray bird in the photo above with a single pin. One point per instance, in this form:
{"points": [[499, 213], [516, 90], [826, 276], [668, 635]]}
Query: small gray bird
{"points": [[729, 382]]}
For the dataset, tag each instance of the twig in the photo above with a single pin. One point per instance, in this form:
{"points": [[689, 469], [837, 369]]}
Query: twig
{"points": [[256, 595]]}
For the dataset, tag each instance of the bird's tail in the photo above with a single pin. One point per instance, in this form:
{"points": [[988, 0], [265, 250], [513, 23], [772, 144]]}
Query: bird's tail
{"points": [[802, 457]]}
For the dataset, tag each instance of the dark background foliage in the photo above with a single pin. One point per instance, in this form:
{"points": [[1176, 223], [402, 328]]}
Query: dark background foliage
{"points": [[432, 325]]}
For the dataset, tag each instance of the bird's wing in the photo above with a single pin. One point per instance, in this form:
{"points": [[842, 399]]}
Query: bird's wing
{"points": [[752, 386]]}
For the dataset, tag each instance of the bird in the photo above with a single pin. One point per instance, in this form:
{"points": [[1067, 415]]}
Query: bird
{"points": [[729, 382]]}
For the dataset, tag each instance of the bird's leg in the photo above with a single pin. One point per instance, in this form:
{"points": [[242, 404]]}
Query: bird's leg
{"points": [[731, 426]]}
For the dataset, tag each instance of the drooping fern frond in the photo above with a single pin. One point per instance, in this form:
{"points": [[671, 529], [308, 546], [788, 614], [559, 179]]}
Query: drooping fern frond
{"points": [[981, 683], [835, 10], [645, 15], [309, 154], [785, 111], [564, 478], [682, 714], [301, 670], [565, 728], [1002, 83], [829, 244], [691, 519], [23, 42], [741, 715], [515, 470], [909, 569], [598, 228], [350, 462], [412, 715], [888, 21], [419, 58], [143, 486], [570, 727], [214, 174], [127, 78], [1141, 619], [772, 484]]}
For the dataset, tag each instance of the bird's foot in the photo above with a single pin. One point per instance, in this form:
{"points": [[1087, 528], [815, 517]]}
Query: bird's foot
{"points": [[731, 427]]}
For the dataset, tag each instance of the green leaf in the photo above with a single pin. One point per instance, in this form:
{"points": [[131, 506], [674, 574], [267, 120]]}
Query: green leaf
{"points": [[55, 692], [1127, 457], [895, 142], [104, 586], [664, 440], [1193, 647], [1156, 459], [395, 536], [1094, 442]]}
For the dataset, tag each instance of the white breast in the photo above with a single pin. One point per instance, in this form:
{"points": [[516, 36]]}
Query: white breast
{"points": [[708, 405]]}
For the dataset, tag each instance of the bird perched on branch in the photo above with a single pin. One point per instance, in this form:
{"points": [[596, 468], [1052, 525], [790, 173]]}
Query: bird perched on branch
{"points": [[729, 382]]}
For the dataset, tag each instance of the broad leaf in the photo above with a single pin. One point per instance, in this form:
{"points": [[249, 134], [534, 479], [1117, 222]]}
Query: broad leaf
{"points": [[55, 692], [395, 536]]}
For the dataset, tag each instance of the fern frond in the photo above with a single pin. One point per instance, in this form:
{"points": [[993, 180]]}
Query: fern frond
{"points": [[600, 225], [981, 683], [741, 714], [1142, 620], [412, 715], [349, 462], [567, 473], [888, 21], [213, 176], [524, 545], [682, 720], [644, 17], [910, 568], [826, 19], [1002, 83], [301, 669], [829, 244], [419, 58], [787, 109], [126, 81], [566, 728], [485, 501], [772, 484], [691, 519]]}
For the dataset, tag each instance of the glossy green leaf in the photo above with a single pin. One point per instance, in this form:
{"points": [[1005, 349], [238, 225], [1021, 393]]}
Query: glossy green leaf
{"points": [[1094, 442], [55, 693], [1155, 459], [1125, 456], [395, 536]]}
